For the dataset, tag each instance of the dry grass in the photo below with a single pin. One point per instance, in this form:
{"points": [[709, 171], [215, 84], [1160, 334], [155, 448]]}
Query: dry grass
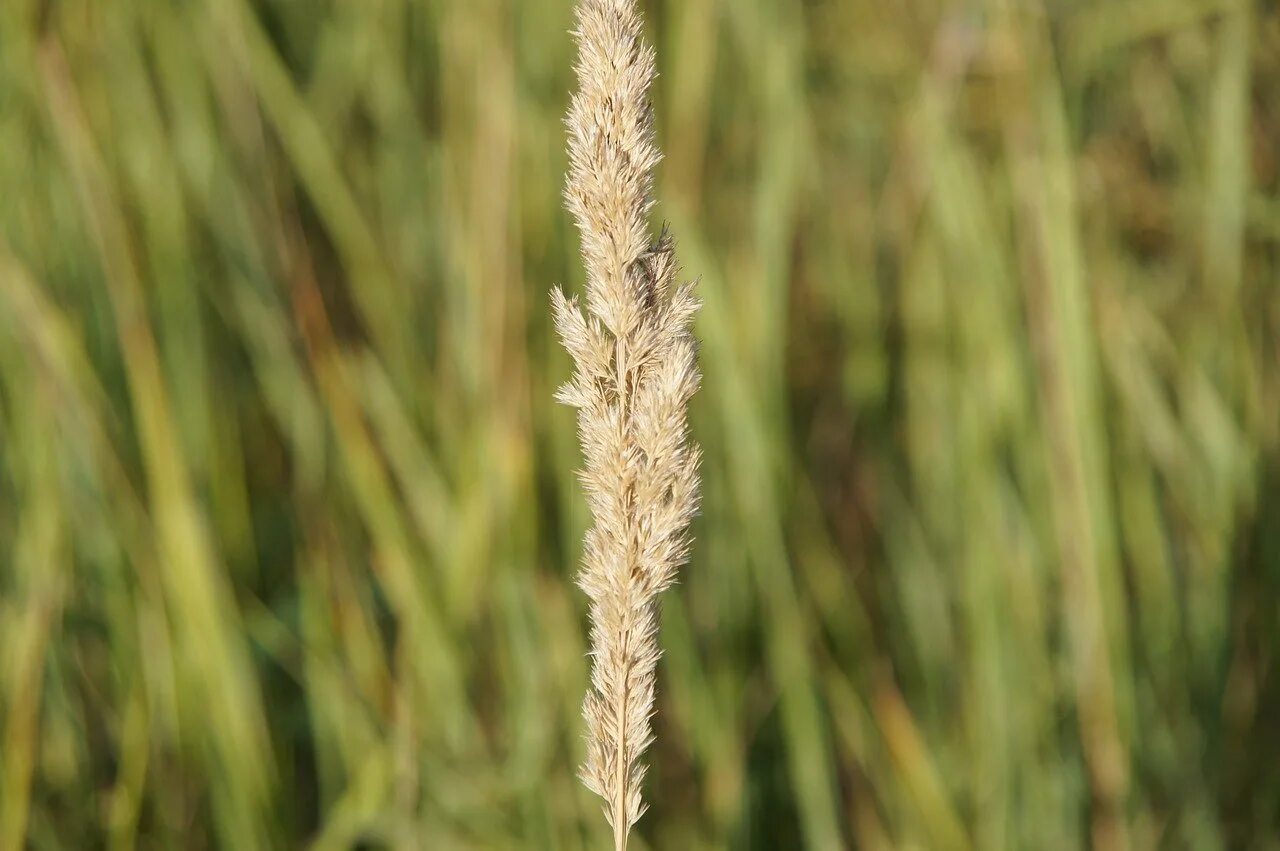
{"points": [[636, 370], [990, 494]]}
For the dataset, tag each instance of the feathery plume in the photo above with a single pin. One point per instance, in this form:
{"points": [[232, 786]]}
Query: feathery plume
{"points": [[635, 370]]}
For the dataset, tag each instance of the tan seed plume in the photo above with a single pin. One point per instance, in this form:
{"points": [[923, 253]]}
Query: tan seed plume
{"points": [[636, 369]]}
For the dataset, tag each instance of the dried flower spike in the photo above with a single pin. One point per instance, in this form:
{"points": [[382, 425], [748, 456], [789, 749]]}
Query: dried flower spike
{"points": [[636, 369]]}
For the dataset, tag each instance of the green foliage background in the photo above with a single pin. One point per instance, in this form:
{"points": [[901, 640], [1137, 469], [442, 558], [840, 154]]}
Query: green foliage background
{"points": [[990, 551]]}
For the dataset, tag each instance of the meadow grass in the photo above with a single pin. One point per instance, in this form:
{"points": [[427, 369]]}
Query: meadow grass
{"points": [[990, 348], [635, 370]]}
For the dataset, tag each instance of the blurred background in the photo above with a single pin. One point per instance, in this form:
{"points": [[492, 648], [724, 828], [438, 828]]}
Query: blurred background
{"points": [[990, 549]]}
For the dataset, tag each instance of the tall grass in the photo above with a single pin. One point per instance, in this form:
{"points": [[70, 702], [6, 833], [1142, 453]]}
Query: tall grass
{"points": [[635, 371], [991, 501]]}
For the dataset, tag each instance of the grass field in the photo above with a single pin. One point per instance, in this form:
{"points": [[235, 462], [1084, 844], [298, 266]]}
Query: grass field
{"points": [[990, 546]]}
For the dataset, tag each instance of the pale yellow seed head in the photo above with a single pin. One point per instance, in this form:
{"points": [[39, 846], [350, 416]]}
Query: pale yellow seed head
{"points": [[635, 371]]}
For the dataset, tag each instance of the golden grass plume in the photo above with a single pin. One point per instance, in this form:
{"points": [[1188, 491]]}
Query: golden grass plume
{"points": [[636, 370]]}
